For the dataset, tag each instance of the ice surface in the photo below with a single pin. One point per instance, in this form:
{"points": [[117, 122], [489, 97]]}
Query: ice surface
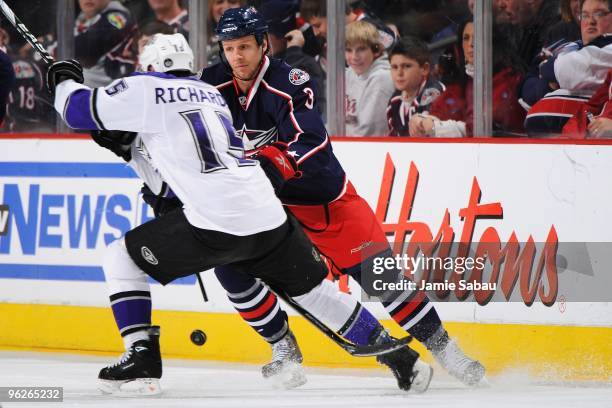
{"points": [[205, 384]]}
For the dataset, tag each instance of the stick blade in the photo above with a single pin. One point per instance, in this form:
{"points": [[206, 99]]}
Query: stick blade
{"points": [[377, 349]]}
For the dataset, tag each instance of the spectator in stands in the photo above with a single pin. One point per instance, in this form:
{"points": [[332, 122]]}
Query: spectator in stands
{"points": [[315, 13], [5, 39], [144, 34], [415, 88], [123, 60], [287, 42], [594, 118], [530, 21], [7, 81], [368, 81], [573, 75], [30, 108], [451, 115], [568, 29], [216, 8], [508, 11], [171, 13], [100, 28]]}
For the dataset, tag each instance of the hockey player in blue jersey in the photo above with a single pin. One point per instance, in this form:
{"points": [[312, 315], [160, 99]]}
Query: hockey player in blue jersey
{"points": [[186, 139], [273, 110]]}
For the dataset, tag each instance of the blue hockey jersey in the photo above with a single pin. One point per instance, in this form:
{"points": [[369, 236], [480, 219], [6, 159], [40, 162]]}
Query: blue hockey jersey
{"points": [[281, 106]]}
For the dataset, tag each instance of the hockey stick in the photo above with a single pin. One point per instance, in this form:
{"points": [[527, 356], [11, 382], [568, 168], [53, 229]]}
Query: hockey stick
{"points": [[201, 283], [353, 349], [25, 33]]}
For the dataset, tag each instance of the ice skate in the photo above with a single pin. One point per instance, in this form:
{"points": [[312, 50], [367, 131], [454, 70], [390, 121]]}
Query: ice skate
{"points": [[138, 371], [410, 372], [285, 369], [448, 354]]}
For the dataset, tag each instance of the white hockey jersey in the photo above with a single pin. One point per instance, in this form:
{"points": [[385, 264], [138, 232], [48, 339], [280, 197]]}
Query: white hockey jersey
{"points": [[186, 134]]}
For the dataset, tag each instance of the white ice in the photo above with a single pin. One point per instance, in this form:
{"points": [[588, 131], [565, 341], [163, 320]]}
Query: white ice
{"points": [[204, 384]]}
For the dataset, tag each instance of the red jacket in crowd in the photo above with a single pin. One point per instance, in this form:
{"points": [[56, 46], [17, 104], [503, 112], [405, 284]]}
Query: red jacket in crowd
{"points": [[456, 103], [600, 104]]}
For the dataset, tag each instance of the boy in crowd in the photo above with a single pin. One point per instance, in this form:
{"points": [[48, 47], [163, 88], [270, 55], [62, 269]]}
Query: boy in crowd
{"points": [[368, 81], [415, 89]]}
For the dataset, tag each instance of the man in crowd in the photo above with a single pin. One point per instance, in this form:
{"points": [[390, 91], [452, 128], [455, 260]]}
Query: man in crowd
{"points": [[287, 42], [573, 75], [100, 29], [171, 13]]}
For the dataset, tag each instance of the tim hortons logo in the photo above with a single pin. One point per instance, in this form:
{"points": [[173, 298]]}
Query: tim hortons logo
{"points": [[512, 263]]}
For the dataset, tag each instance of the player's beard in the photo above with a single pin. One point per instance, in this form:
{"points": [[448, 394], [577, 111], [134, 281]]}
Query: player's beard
{"points": [[255, 71]]}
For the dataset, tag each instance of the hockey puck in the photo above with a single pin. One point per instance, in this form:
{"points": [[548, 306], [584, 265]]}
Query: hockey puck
{"points": [[198, 337]]}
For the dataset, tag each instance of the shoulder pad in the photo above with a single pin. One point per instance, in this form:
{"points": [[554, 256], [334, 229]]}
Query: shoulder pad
{"points": [[429, 95], [23, 69], [286, 78], [298, 77], [215, 74], [602, 41], [116, 19]]}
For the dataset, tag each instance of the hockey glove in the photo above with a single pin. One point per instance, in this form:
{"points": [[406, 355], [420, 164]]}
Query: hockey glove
{"points": [[63, 70], [161, 205], [278, 165], [117, 141]]}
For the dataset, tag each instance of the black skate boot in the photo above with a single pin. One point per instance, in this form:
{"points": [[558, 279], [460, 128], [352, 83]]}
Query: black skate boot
{"points": [[285, 369], [448, 354], [138, 371], [410, 372]]}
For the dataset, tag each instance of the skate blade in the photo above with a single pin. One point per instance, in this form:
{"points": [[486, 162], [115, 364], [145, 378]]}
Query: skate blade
{"points": [[483, 383], [130, 388], [290, 376], [421, 381]]}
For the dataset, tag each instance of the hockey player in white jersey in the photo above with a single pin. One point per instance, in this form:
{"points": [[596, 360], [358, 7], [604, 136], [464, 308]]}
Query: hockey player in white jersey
{"points": [[230, 214]]}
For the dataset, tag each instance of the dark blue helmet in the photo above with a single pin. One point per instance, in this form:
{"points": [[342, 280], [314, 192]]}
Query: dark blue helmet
{"points": [[240, 22]]}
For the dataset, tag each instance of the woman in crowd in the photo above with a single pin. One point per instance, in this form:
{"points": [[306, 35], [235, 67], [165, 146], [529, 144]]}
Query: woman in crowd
{"points": [[451, 115]]}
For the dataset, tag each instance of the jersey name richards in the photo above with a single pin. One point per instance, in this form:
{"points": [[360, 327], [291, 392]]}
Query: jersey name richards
{"points": [[185, 134]]}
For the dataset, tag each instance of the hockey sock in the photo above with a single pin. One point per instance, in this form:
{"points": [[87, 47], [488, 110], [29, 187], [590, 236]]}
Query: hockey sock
{"points": [[360, 327], [340, 312], [255, 303], [415, 314], [130, 294]]}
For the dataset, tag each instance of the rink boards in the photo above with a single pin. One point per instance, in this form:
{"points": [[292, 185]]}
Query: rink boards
{"points": [[68, 199]]}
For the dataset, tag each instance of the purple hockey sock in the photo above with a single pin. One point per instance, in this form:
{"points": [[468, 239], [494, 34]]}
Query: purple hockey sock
{"points": [[132, 311], [360, 326]]}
